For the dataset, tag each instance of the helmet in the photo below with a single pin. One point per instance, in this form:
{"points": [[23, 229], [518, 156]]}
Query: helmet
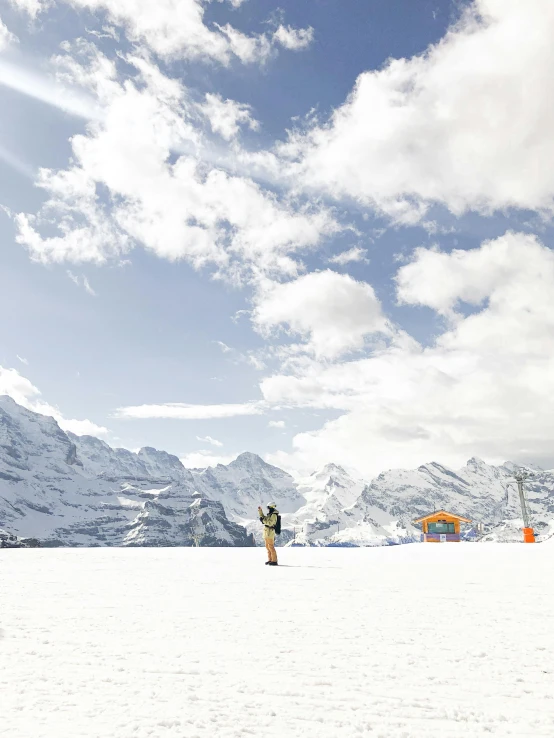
{"points": [[271, 504]]}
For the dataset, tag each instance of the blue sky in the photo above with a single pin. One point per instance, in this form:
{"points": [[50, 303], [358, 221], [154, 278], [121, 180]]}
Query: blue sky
{"points": [[317, 231]]}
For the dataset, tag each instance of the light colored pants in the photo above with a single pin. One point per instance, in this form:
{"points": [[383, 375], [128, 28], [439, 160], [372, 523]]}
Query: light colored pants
{"points": [[271, 552]]}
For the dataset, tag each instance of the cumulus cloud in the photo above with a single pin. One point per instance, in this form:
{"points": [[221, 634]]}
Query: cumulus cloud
{"points": [[227, 116], [178, 210], [497, 271], [466, 124], [183, 411], [332, 312], [276, 424], [22, 390], [248, 49], [294, 38], [484, 387]]}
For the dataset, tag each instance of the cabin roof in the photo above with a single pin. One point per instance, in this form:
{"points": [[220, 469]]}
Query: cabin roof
{"points": [[438, 513]]}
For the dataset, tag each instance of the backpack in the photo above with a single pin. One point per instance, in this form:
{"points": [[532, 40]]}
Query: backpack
{"points": [[278, 526]]}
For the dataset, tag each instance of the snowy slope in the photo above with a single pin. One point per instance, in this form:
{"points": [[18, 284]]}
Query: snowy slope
{"points": [[186, 643]]}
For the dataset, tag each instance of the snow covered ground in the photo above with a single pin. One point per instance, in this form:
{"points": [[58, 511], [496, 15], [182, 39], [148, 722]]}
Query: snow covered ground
{"points": [[399, 642]]}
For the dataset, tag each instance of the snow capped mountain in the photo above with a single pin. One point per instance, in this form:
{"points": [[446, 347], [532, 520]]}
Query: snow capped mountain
{"points": [[333, 513], [77, 490], [31, 440], [331, 482], [384, 510], [477, 490], [69, 490], [99, 458], [247, 482]]}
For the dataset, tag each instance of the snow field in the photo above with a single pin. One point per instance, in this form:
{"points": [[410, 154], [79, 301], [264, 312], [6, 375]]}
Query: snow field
{"points": [[401, 642]]}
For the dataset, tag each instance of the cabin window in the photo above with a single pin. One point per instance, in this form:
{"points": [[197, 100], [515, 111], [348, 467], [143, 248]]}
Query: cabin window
{"points": [[441, 528]]}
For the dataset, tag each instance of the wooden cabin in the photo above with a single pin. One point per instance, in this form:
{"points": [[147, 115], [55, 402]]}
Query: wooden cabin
{"points": [[441, 527]]}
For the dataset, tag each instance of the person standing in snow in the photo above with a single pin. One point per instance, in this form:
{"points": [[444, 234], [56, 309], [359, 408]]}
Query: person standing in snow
{"points": [[269, 522]]}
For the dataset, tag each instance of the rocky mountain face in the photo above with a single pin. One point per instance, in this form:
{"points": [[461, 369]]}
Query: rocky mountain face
{"points": [[63, 489], [383, 509], [246, 483], [67, 490], [484, 493], [342, 510], [336, 514]]}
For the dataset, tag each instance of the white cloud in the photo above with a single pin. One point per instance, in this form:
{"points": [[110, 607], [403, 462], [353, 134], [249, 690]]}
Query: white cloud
{"points": [[32, 7], [276, 424], [227, 116], [106, 32], [249, 49], [181, 210], [255, 361], [234, 3], [87, 234], [177, 29], [183, 411], [357, 253], [497, 270], [294, 38], [21, 390], [204, 458], [87, 287], [332, 312], [81, 281], [485, 387], [466, 124], [7, 38], [81, 427], [210, 440], [223, 346]]}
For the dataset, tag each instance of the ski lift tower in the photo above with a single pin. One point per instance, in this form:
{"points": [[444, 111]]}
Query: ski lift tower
{"points": [[528, 534]]}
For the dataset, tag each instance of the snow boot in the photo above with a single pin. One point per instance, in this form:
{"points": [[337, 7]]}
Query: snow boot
{"points": [[267, 563], [273, 563]]}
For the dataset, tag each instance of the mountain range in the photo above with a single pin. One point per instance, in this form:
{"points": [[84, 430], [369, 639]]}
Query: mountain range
{"points": [[66, 490]]}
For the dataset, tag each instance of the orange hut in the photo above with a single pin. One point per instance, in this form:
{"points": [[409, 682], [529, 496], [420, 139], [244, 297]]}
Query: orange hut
{"points": [[441, 527]]}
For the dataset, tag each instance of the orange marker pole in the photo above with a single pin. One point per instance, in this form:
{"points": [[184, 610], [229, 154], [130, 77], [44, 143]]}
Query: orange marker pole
{"points": [[528, 534]]}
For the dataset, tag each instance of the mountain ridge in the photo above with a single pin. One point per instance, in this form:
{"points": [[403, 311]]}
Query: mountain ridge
{"points": [[78, 490]]}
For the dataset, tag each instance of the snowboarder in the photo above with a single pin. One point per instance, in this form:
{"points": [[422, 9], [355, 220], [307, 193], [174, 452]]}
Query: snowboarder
{"points": [[269, 522]]}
